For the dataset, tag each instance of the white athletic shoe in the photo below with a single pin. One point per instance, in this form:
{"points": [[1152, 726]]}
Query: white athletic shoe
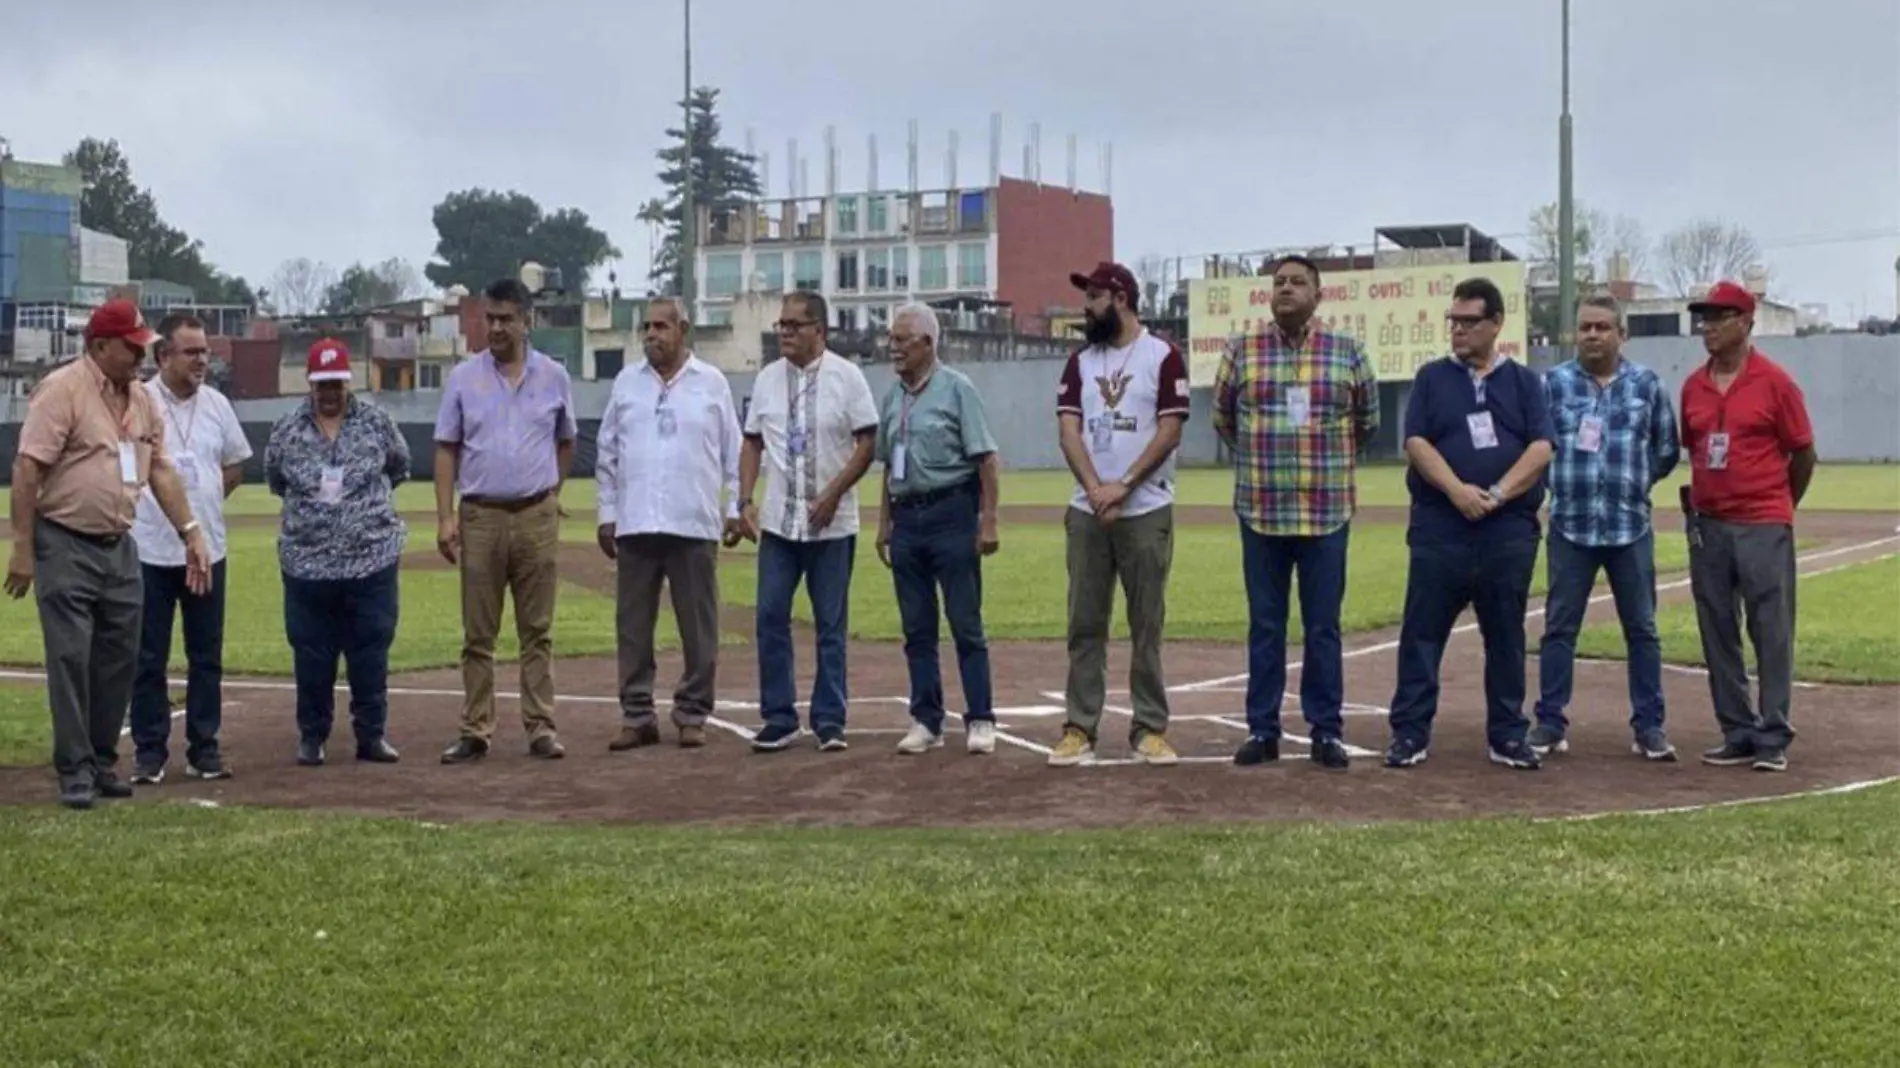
{"points": [[920, 740], [980, 736]]}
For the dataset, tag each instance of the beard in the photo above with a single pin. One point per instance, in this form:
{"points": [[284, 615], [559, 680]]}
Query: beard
{"points": [[1103, 329]]}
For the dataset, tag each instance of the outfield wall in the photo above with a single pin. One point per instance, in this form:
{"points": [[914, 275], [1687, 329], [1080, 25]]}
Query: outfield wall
{"points": [[1852, 383]]}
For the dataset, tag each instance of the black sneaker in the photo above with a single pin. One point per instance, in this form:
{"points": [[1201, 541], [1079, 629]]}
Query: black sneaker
{"points": [[775, 737], [1330, 753], [465, 751], [310, 753], [1517, 755], [108, 784], [1406, 753], [1654, 745], [1257, 751], [77, 795], [1730, 754], [831, 740], [148, 773], [1771, 758], [1545, 740], [210, 766]]}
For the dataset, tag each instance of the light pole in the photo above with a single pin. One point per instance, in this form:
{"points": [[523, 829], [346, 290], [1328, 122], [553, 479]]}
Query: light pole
{"points": [[689, 221], [1566, 217]]}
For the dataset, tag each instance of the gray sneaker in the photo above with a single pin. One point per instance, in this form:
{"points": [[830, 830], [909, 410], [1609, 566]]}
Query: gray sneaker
{"points": [[1654, 745], [148, 773], [1546, 740]]}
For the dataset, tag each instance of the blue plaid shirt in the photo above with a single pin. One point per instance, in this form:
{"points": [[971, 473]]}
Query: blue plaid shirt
{"points": [[1601, 498]]}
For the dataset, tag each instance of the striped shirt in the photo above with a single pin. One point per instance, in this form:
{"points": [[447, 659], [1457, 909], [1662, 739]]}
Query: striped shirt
{"points": [[1600, 496], [1294, 416]]}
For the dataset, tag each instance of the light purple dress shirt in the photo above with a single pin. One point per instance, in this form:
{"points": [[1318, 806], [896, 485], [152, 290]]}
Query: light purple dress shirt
{"points": [[508, 434]]}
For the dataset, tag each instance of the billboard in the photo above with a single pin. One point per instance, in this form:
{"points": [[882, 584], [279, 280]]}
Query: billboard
{"points": [[1397, 313]]}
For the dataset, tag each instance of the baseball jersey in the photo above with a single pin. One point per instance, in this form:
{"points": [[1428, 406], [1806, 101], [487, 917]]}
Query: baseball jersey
{"points": [[1121, 395]]}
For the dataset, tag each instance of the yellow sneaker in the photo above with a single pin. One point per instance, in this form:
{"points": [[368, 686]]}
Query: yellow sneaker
{"points": [[1074, 748], [1154, 749]]}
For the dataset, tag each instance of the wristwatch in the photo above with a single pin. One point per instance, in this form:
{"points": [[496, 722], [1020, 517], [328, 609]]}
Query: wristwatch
{"points": [[185, 531], [1497, 492]]}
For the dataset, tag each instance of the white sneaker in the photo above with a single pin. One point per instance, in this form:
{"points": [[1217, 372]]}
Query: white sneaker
{"points": [[920, 740], [980, 736]]}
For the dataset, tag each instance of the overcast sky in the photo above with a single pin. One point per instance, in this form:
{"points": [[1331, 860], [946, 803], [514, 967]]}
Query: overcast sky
{"points": [[330, 130]]}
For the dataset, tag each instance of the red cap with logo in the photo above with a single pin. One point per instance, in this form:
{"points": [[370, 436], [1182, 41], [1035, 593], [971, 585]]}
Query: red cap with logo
{"points": [[1112, 277], [1725, 295], [120, 319], [329, 361]]}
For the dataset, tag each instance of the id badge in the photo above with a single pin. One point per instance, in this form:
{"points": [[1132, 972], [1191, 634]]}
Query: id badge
{"points": [[795, 442], [1718, 451], [128, 463], [669, 423], [1102, 435], [330, 486], [1483, 434], [1590, 434], [187, 465], [1299, 405], [900, 457]]}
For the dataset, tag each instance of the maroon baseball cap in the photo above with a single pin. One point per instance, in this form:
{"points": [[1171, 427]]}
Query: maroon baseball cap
{"points": [[119, 318], [1112, 277], [1725, 295], [329, 361]]}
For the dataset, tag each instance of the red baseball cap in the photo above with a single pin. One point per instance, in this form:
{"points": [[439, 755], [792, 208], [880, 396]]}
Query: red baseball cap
{"points": [[121, 319], [1725, 295], [1110, 276], [329, 361]]}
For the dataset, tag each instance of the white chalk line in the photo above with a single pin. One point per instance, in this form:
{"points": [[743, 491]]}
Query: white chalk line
{"points": [[1677, 810]]}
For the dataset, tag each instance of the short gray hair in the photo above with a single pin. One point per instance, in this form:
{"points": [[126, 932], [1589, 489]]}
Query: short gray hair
{"points": [[1605, 301], [925, 316], [678, 306]]}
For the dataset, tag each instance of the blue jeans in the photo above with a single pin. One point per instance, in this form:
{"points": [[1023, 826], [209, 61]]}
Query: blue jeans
{"points": [[1494, 580], [355, 618], [1268, 563], [1573, 574], [933, 545], [165, 597], [825, 566]]}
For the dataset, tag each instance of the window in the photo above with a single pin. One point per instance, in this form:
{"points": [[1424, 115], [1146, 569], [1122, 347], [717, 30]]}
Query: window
{"points": [[429, 376], [847, 215], [771, 272], [808, 270], [973, 266], [879, 316], [877, 269], [933, 272], [900, 269], [848, 272], [880, 216], [847, 318], [718, 317], [607, 363], [392, 328], [723, 274]]}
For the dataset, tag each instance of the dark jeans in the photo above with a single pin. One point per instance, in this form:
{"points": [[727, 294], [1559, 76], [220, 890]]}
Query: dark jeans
{"points": [[352, 617], [166, 597], [1268, 563], [1494, 580], [825, 567], [933, 545], [1573, 574]]}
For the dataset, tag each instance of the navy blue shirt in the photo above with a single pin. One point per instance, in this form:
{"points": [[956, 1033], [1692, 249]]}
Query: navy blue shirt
{"points": [[1444, 398]]}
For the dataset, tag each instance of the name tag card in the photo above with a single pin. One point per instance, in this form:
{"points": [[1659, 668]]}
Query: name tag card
{"points": [[1102, 434], [1299, 405], [1590, 434], [1718, 451], [1483, 434], [900, 457], [128, 463], [330, 486]]}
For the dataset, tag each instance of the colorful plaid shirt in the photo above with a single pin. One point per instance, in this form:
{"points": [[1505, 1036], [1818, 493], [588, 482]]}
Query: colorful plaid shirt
{"points": [[1295, 480], [1601, 497]]}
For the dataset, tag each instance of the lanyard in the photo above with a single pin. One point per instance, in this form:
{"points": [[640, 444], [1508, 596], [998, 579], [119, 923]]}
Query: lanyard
{"points": [[171, 410], [910, 399], [666, 387]]}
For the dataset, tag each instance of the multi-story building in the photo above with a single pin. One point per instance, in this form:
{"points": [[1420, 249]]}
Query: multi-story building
{"points": [[1011, 244]]}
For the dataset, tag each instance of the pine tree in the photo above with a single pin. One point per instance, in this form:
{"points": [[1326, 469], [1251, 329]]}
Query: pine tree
{"points": [[724, 179]]}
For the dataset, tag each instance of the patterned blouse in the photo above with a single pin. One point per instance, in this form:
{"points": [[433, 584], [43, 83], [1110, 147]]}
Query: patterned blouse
{"points": [[340, 519]]}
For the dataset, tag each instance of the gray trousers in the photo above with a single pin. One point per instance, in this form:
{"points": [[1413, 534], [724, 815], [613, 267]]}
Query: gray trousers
{"points": [[1736, 568], [687, 567], [92, 603], [1137, 553]]}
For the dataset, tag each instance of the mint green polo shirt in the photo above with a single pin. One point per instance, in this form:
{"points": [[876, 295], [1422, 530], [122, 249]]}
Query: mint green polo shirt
{"points": [[946, 433]]}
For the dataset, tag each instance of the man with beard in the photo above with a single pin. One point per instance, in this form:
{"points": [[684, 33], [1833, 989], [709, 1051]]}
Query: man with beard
{"points": [[669, 448], [336, 462], [1295, 403], [1616, 438], [504, 437], [1478, 435], [1751, 457], [1120, 407], [207, 445]]}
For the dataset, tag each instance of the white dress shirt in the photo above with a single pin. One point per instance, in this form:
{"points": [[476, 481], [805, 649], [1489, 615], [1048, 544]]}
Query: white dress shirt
{"points": [[202, 435], [807, 421], [666, 450]]}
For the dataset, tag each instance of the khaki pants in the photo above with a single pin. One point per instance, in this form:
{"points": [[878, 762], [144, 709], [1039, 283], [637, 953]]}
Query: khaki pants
{"points": [[512, 552], [1138, 552]]}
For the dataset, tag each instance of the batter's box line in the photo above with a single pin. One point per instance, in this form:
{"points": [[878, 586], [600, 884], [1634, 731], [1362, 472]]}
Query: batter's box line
{"points": [[1347, 709], [1296, 739]]}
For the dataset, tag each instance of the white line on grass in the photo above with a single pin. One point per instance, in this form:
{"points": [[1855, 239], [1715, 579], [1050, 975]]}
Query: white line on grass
{"points": [[1825, 791]]}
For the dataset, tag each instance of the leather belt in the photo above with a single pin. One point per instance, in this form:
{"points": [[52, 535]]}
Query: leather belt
{"points": [[506, 504]]}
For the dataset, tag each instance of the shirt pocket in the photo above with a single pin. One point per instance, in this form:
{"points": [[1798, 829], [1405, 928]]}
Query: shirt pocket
{"points": [[1571, 414], [1631, 414]]}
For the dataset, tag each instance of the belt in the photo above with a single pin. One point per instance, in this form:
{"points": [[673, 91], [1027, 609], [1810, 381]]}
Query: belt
{"points": [[929, 497], [508, 504], [107, 541]]}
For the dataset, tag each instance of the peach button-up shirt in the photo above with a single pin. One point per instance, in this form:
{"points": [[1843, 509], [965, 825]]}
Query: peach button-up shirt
{"points": [[75, 422]]}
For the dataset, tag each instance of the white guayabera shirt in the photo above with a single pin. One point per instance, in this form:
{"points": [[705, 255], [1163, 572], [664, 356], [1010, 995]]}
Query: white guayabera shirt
{"points": [[807, 421], [202, 435]]}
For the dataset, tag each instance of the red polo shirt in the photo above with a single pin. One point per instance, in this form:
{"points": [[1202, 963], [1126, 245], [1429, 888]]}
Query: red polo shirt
{"points": [[1766, 420]]}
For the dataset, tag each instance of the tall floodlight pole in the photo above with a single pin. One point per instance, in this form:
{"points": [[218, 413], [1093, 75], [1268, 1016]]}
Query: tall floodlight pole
{"points": [[1566, 218], [689, 218]]}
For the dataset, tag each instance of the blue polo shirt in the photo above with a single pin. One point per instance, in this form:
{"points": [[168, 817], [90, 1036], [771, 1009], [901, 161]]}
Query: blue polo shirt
{"points": [[1444, 397]]}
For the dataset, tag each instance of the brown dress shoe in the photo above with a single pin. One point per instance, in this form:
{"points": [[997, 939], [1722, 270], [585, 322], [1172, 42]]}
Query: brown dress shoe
{"points": [[635, 738], [692, 737], [547, 748]]}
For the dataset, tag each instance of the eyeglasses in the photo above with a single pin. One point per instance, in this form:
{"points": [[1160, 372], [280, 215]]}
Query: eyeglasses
{"points": [[1466, 322], [793, 326]]}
